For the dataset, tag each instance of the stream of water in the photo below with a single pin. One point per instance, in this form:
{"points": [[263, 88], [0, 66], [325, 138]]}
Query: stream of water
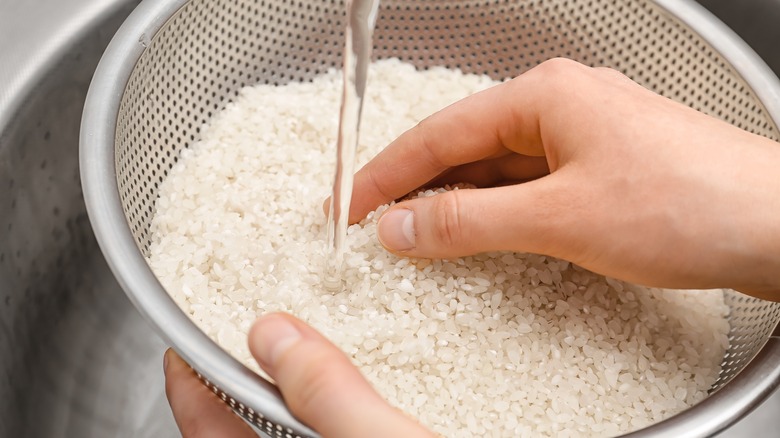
{"points": [[361, 18]]}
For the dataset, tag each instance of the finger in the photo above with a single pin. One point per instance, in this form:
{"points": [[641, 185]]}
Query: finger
{"points": [[199, 413], [502, 168], [523, 217], [507, 169], [321, 386], [478, 127], [494, 172]]}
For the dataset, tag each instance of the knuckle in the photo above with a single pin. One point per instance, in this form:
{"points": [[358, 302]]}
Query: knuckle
{"points": [[447, 219], [426, 134], [612, 73], [558, 74], [379, 184], [421, 133], [559, 68]]}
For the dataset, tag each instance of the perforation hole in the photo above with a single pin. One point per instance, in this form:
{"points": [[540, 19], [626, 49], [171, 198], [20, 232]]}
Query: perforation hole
{"points": [[212, 48]]}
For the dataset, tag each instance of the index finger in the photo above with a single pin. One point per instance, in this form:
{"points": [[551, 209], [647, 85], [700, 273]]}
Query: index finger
{"points": [[480, 126]]}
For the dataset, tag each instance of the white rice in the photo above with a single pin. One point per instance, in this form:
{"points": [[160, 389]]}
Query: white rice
{"points": [[497, 344]]}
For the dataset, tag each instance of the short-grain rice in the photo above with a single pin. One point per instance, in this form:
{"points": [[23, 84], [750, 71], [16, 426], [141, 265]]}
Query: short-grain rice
{"points": [[497, 344]]}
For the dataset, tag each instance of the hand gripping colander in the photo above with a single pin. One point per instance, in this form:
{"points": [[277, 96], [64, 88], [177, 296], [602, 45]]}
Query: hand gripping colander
{"points": [[175, 63]]}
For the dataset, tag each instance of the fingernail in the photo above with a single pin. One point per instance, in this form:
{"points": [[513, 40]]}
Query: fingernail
{"points": [[396, 229], [165, 359], [276, 335]]}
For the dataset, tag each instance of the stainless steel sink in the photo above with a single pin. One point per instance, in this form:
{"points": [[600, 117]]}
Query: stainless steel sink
{"points": [[76, 359]]}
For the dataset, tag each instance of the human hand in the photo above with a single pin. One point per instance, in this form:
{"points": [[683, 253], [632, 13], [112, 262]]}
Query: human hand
{"points": [[318, 382], [614, 178]]}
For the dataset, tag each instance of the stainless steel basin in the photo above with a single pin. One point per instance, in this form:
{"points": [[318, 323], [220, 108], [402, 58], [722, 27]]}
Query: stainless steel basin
{"points": [[755, 21], [76, 359]]}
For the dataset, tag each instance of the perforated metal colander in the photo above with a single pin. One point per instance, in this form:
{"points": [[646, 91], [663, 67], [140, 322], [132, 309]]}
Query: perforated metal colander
{"points": [[175, 63]]}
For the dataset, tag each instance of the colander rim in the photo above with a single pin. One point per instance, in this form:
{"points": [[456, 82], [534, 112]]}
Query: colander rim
{"points": [[104, 208], [134, 275]]}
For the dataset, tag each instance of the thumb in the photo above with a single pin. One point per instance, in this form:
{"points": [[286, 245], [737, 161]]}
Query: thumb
{"points": [[469, 221], [321, 386]]}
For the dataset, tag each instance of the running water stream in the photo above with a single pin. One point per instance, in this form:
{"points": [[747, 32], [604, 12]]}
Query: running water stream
{"points": [[361, 18]]}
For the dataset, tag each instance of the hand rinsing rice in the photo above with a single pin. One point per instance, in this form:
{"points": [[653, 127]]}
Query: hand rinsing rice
{"points": [[496, 344]]}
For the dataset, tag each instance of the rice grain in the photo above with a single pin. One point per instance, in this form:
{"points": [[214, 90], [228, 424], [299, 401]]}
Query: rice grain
{"points": [[497, 344]]}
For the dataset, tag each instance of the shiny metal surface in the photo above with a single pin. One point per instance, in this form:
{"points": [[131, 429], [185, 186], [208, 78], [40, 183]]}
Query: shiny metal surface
{"points": [[76, 359], [175, 63], [743, 394], [756, 23]]}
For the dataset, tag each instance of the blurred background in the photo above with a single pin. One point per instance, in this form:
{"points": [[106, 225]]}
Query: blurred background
{"points": [[76, 360]]}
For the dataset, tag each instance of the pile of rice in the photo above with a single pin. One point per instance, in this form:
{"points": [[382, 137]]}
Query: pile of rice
{"points": [[496, 344]]}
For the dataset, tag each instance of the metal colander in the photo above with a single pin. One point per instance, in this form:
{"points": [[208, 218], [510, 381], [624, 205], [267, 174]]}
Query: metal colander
{"points": [[175, 63]]}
